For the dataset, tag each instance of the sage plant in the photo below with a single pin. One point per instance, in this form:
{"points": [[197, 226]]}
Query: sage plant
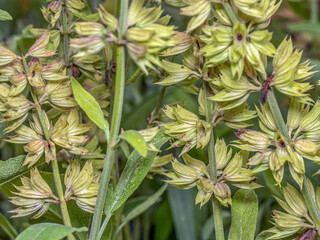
{"points": [[63, 101]]}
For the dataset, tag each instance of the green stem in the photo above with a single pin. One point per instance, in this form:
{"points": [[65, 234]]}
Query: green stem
{"points": [[230, 12], [314, 11], [216, 206], [55, 167], [115, 127], [94, 5], [160, 100], [65, 36], [277, 115]]}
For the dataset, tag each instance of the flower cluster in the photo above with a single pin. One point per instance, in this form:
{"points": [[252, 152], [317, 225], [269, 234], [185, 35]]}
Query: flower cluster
{"points": [[36, 100], [146, 35], [81, 185], [230, 169], [296, 218], [273, 150], [34, 196]]}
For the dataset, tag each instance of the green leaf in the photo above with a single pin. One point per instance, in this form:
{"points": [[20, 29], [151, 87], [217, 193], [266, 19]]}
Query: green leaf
{"points": [[90, 106], [312, 28], [162, 220], [135, 171], [4, 16], [244, 215], [79, 218], [181, 204], [48, 231], [12, 168], [7, 227], [142, 207], [135, 140]]}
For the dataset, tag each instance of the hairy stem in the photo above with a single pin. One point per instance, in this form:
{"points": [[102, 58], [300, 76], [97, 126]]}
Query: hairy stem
{"points": [[115, 127], [216, 206], [230, 12], [277, 115], [55, 167], [65, 35]]}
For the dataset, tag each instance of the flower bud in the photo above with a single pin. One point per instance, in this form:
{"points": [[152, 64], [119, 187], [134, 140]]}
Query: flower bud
{"points": [[107, 19], [258, 139], [305, 146], [284, 220], [222, 190], [89, 28], [205, 187], [38, 49], [6, 56], [295, 201]]}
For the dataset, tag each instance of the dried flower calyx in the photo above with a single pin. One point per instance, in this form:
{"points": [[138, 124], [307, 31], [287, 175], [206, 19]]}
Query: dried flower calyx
{"points": [[194, 172], [33, 197], [81, 185]]}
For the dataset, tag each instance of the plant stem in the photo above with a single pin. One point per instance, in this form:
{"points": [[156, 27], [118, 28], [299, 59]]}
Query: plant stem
{"points": [[115, 127], [94, 5], [277, 115], [65, 36], [230, 12], [216, 206], [55, 167], [314, 11], [160, 100]]}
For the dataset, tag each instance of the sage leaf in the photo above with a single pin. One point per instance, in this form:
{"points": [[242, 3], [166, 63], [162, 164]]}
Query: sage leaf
{"points": [[12, 168], [5, 16], [90, 106], [135, 140], [244, 215], [48, 231], [136, 169]]}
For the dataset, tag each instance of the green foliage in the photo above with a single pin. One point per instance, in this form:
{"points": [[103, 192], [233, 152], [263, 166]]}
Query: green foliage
{"points": [[90, 106], [11, 168], [142, 207], [244, 215], [93, 65], [133, 174], [48, 231], [7, 227], [135, 140]]}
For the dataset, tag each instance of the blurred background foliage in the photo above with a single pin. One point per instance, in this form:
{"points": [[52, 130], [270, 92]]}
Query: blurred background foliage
{"points": [[175, 216]]}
